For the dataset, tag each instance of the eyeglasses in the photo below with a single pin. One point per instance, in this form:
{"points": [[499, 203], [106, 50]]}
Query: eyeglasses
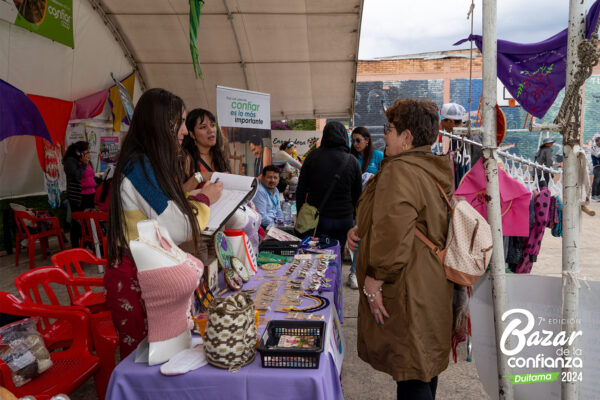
{"points": [[357, 140], [457, 121], [387, 127]]}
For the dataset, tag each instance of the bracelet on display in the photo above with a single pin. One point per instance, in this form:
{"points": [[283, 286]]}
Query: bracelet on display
{"points": [[371, 296]]}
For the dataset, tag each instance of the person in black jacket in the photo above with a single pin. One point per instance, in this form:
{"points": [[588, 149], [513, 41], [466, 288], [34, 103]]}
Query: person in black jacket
{"points": [[317, 174]]}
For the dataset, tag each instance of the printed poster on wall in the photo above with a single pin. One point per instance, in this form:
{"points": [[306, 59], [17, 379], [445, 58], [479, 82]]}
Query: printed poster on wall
{"points": [[303, 140], [93, 135], [50, 18], [109, 151], [244, 118]]}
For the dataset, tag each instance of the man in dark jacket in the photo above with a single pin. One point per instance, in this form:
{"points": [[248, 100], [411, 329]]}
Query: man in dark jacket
{"points": [[318, 174], [545, 157]]}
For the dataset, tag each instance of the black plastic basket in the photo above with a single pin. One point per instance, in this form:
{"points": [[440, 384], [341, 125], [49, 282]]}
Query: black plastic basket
{"points": [[288, 249], [291, 358]]}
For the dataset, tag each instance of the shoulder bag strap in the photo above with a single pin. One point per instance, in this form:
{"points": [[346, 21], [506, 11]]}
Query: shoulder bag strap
{"points": [[205, 164], [334, 181], [440, 253]]}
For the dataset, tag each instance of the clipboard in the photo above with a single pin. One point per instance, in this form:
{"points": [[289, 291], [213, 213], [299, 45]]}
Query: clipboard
{"points": [[237, 190]]}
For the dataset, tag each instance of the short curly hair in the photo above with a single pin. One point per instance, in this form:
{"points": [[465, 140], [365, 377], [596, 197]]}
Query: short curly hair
{"points": [[419, 116]]}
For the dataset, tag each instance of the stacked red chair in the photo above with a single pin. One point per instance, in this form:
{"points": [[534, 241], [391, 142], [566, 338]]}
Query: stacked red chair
{"points": [[70, 262], [46, 226], [71, 367], [34, 286], [87, 219]]}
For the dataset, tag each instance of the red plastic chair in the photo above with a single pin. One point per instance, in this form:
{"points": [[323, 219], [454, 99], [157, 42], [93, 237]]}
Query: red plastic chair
{"points": [[52, 227], [86, 219], [71, 367], [70, 261], [56, 333]]}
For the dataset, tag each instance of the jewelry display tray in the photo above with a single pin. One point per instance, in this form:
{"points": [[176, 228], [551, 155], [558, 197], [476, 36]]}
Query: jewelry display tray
{"points": [[291, 357]]}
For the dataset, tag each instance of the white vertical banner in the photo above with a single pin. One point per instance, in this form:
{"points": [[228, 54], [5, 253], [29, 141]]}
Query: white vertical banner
{"points": [[335, 342], [239, 108]]}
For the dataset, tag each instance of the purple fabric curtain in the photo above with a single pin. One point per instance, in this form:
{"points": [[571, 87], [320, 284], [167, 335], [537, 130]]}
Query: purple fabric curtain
{"points": [[19, 115], [534, 73]]}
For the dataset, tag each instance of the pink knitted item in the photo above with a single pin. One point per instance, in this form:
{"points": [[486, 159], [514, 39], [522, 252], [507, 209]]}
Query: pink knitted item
{"points": [[167, 293]]}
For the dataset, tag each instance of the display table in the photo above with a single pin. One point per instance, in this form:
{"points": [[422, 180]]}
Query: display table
{"points": [[139, 381]]}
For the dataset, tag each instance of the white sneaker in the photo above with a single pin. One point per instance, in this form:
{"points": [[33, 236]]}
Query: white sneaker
{"points": [[596, 198], [352, 281]]}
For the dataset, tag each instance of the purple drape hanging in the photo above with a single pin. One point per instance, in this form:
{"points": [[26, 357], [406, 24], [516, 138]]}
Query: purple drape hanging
{"points": [[534, 73], [18, 114]]}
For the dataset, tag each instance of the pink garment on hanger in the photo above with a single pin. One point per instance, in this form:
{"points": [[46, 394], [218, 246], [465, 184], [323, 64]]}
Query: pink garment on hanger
{"points": [[514, 199]]}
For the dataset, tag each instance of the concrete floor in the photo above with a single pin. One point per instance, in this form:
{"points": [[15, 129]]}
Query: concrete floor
{"points": [[459, 382]]}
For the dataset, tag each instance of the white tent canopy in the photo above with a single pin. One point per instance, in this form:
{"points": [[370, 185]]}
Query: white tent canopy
{"points": [[303, 53]]}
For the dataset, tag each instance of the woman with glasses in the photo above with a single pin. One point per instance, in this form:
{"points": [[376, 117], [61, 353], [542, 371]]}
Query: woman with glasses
{"points": [[368, 157], [81, 186], [405, 308]]}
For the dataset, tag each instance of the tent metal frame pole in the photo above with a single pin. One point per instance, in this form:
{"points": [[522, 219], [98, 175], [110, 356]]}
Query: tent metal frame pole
{"points": [[571, 208], [237, 43], [119, 38], [490, 154]]}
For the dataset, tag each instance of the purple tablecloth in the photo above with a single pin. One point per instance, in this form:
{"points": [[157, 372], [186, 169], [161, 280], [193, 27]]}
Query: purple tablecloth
{"points": [[139, 381]]}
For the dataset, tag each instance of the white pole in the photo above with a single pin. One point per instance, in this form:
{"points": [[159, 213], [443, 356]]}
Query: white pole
{"points": [[493, 189], [571, 210]]}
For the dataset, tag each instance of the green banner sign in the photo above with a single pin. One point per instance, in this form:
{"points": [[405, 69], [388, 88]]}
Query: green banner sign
{"points": [[531, 378], [50, 18]]}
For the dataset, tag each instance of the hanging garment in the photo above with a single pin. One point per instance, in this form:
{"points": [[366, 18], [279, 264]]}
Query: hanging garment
{"points": [[534, 73], [552, 212], [557, 230], [514, 199], [534, 242]]}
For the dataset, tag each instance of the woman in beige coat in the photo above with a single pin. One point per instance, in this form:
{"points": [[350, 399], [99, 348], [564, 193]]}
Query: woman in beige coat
{"points": [[405, 307]]}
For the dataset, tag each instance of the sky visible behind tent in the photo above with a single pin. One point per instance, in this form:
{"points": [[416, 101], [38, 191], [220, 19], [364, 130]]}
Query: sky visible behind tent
{"points": [[401, 27]]}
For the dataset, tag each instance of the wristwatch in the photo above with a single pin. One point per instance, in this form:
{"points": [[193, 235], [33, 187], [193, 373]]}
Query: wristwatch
{"points": [[198, 177]]}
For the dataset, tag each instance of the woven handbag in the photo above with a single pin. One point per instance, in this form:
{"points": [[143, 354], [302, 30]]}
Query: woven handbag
{"points": [[231, 334], [469, 246]]}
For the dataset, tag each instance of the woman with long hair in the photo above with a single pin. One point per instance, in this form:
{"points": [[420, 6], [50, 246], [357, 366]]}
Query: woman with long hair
{"points": [[148, 183], [204, 144], [362, 148], [81, 185]]}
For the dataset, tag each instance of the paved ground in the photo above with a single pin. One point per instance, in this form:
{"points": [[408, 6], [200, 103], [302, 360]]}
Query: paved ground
{"points": [[459, 382]]}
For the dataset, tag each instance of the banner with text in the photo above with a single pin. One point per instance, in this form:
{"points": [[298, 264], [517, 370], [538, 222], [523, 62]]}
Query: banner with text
{"points": [[245, 121], [50, 18], [239, 108], [303, 140]]}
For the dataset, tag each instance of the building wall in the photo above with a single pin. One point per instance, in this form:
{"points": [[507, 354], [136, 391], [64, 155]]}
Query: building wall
{"points": [[446, 80]]}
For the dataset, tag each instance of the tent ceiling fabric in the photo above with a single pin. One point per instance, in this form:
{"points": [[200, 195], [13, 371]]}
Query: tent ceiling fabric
{"points": [[303, 53]]}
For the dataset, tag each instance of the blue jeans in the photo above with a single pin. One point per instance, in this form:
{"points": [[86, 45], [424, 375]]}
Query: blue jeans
{"points": [[353, 267], [335, 228]]}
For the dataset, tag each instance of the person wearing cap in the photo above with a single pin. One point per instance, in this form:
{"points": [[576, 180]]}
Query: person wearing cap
{"points": [[544, 157], [596, 169], [453, 116]]}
